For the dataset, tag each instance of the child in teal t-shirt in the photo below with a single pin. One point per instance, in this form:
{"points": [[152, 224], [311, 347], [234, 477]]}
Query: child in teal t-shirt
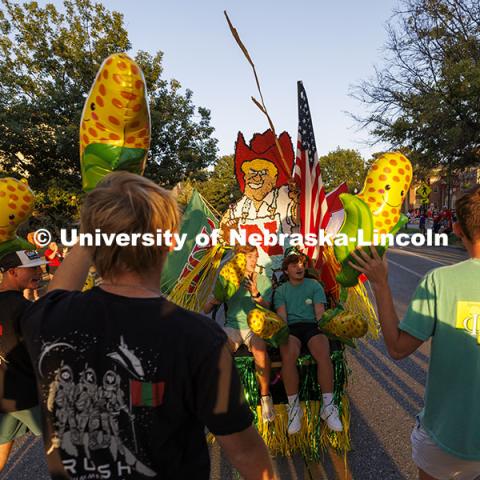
{"points": [[445, 308], [256, 289], [300, 301]]}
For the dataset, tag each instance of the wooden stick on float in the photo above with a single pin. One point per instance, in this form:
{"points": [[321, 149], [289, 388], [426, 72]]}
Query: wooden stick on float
{"points": [[261, 105]]}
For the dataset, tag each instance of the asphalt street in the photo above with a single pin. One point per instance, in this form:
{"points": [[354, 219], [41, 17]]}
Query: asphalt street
{"points": [[385, 396]]}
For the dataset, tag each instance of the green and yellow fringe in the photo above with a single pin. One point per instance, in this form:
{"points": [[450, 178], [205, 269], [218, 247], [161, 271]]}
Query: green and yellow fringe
{"points": [[314, 437], [203, 277]]}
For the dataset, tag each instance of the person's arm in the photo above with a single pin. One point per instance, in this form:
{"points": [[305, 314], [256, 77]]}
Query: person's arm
{"points": [[282, 312], [319, 311], [212, 302], [319, 300], [247, 452], [221, 406], [399, 343], [73, 271]]}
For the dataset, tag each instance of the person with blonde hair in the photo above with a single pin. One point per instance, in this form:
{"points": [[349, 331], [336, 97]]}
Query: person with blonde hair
{"points": [[128, 381]]}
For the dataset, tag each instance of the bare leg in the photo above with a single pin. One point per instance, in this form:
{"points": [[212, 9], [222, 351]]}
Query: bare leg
{"points": [[262, 364], [289, 353], [320, 350], [5, 449]]}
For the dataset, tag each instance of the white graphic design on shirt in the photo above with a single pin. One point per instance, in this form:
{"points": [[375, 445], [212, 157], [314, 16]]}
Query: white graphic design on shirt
{"points": [[88, 410]]}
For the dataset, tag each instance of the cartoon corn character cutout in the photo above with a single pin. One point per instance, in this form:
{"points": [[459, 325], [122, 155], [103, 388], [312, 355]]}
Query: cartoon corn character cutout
{"points": [[16, 205], [268, 325], [230, 278], [115, 124], [376, 209]]}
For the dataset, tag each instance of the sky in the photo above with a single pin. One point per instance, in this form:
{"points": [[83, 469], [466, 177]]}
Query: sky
{"points": [[329, 45]]}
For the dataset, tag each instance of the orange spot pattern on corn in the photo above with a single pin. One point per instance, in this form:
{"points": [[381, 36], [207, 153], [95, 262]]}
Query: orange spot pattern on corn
{"points": [[16, 204], [117, 106], [385, 189]]}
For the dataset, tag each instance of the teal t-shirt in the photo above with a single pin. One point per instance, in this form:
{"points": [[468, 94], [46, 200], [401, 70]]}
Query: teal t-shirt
{"points": [[241, 303], [299, 300], [446, 307]]}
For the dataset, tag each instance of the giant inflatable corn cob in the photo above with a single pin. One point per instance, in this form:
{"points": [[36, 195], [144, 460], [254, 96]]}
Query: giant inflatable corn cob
{"points": [[16, 205], [230, 278], [115, 124], [376, 209]]}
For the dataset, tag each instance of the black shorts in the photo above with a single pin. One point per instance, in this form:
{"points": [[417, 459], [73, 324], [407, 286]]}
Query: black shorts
{"points": [[304, 331]]}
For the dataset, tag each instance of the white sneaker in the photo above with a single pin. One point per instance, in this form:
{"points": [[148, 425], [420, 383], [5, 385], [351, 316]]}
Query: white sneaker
{"points": [[330, 414], [295, 415], [268, 410]]}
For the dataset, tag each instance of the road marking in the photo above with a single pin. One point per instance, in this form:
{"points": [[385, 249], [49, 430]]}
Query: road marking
{"points": [[407, 252], [405, 268]]}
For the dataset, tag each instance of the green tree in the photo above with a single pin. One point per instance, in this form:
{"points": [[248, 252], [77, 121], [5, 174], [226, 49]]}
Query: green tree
{"points": [[426, 97], [48, 61], [343, 165], [221, 188]]}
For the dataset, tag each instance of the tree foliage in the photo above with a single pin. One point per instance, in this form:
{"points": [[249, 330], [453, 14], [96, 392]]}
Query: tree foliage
{"points": [[48, 61], [427, 96], [221, 188], [343, 165]]}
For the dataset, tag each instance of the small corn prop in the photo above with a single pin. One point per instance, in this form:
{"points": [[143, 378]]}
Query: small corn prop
{"points": [[342, 325], [230, 278], [267, 325]]}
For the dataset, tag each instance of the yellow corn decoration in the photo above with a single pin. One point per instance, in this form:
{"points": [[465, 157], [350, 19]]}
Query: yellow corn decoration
{"points": [[346, 325], [230, 278], [264, 323]]}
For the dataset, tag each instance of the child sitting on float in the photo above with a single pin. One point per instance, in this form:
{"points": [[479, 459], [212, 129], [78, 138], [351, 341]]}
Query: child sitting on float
{"points": [[255, 289], [301, 303]]}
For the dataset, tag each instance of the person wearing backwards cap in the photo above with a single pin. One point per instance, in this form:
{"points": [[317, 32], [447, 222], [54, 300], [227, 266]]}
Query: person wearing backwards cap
{"points": [[19, 411]]}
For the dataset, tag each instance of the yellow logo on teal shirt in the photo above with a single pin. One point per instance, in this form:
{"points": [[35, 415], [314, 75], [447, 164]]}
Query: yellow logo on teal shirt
{"points": [[468, 318]]}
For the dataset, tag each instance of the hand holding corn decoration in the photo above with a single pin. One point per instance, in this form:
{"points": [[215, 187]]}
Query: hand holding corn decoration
{"points": [[376, 209]]}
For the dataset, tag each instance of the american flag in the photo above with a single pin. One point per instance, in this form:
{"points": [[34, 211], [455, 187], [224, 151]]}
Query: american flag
{"points": [[314, 213]]}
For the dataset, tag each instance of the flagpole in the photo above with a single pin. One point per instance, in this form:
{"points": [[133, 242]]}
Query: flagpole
{"points": [[261, 105]]}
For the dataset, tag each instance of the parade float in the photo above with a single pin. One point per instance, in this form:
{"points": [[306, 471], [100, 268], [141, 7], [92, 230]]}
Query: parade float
{"points": [[282, 195], [272, 207]]}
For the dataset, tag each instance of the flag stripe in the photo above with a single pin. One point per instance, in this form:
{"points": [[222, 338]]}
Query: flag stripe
{"points": [[314, 213], [145, 394], [135, 392]]}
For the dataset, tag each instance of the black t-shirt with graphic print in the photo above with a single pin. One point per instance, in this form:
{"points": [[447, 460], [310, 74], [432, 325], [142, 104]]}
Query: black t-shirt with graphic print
{"points": [[129, 384], [17, 379]]}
